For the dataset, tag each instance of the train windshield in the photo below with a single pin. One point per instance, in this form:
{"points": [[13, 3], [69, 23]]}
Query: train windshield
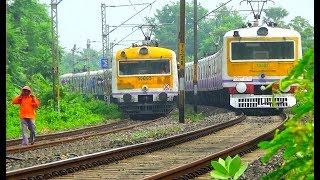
{"points": [[262, 50], [138, 67]]}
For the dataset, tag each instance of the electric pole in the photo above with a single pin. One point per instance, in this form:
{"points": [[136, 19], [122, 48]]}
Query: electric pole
{"points": [[182, 61], [195, 56], [73, 58], [55, 55], [87, 56], [106, 50], [105, 32]]}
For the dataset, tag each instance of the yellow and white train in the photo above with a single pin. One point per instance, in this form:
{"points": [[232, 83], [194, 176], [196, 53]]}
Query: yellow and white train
{"points": [[145, 80], [251, 58]]}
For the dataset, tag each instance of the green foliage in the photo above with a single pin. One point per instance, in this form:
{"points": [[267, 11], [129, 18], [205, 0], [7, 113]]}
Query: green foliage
{"points": [[168, 16], [77, 62], [192, 116], [301, 25], [297, 139], [231, 168], [224, 20], [275, 14], [28, 40]]}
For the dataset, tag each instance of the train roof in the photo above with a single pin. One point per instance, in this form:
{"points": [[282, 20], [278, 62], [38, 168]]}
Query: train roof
{"points": [[96, 72], [92, 73], [153, 52], [66, 75], [272, 32]]}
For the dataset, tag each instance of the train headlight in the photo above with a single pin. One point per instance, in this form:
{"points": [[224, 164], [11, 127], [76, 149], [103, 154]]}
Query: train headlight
{"points": [[144, 88], [286, 89], [236, 34], [241, 87], [262, 88], [263, 31], [127, 98], [123, 54], [143, 50], [163, 96]]}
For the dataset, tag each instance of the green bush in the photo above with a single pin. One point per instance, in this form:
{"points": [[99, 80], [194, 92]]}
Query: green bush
{"points": [[297, 140]]}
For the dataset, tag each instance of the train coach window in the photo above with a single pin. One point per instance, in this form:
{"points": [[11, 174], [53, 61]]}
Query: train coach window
{"points": [[262, 50]]}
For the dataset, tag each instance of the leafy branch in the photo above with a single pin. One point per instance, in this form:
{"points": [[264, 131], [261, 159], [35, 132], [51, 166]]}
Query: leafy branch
{"points": [[297, 139]]}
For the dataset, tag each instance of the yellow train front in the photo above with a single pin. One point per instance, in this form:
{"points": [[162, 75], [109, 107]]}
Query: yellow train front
{"points": [[145, 80], [254, 57]]}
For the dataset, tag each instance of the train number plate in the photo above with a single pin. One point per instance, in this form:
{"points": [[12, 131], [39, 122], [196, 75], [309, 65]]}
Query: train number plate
{"points": [[242, 78], [144, 78]]}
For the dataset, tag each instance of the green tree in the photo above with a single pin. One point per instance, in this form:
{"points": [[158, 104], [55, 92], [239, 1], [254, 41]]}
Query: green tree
{"points": [[28, 40], [167, 18], [15, 45], [78, 61], [276, 15], [223, 20], [301, 25]]}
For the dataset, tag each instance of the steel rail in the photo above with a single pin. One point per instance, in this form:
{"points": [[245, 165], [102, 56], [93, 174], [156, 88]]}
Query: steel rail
{"points": [[63, 167], [203, 165], [66, 134]]}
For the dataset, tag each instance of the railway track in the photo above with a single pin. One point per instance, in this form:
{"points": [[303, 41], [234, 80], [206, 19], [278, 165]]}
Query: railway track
{"points": [[13, 146], [111, 161]]}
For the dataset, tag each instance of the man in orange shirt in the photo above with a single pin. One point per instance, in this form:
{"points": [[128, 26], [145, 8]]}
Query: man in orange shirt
{"points": [[28, 103]]}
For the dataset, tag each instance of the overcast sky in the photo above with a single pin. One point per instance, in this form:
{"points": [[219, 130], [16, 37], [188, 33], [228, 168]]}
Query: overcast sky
{"points": [[79, 20]]}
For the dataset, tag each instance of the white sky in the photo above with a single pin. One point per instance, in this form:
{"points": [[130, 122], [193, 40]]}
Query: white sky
{"points": [[79, 20]]}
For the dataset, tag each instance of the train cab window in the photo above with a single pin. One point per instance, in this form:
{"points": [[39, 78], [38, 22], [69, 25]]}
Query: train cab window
{"points": [[138, 67], [260, 55], [271, 50]]}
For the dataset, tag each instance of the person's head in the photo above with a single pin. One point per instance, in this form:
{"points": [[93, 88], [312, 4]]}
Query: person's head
{"points": [[26, 90]]}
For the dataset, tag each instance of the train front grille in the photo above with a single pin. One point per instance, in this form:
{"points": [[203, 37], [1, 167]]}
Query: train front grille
{"points": [[145, 98], [262, 102]]}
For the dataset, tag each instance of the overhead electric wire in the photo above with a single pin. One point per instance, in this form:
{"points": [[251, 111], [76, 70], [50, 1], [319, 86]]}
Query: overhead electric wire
{"points": [[123, 38], [126, 5], [214, 10], [130, 18], [135, 9]]}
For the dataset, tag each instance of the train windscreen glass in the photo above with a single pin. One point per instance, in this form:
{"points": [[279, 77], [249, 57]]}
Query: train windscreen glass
{"points": [[262, 50], [138, 67]]}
